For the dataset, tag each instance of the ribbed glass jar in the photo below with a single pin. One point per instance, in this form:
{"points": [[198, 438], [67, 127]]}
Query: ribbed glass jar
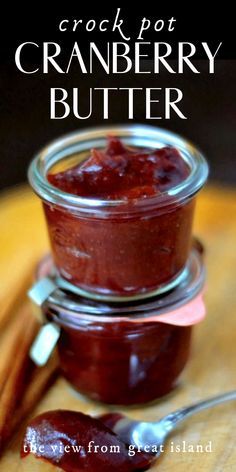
{"points": [[111, 249]]}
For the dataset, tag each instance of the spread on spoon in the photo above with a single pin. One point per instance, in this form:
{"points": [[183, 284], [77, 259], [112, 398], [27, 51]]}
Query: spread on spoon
{"points": [[67, 439]]}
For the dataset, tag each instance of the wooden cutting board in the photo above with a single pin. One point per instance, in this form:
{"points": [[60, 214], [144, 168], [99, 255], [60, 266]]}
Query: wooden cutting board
{"points": [[212, 368]]}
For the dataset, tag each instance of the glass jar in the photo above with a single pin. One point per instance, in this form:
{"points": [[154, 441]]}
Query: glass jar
{"points": [[127, 353], [111, 249]]}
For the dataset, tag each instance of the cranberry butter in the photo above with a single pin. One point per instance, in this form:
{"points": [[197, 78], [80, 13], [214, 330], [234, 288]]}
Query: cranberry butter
{"points": [[76, 442], [132, 251], [119, 207], [124, 285], [144, 345]]}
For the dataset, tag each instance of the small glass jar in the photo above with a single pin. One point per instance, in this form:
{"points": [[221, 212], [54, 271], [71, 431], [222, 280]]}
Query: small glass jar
{"points": [[123, 353], [111, 249]]}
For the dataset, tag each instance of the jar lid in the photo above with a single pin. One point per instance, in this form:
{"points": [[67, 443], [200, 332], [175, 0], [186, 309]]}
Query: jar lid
{"points": [[69, 308]]}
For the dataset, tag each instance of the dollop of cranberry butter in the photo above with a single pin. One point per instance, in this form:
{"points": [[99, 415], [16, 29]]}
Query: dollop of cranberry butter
{"points": [[67, 439], [134, 245], [119, 172]]}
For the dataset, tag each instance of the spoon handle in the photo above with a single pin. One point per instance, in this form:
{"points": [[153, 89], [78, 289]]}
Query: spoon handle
{"points": [[170, 421]]}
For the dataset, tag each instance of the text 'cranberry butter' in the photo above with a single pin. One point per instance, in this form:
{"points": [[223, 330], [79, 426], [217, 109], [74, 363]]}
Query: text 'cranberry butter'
{"points": [[119, 204]]}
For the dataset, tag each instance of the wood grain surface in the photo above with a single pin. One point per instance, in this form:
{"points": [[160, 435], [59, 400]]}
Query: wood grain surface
{"points": [[212, 368]]}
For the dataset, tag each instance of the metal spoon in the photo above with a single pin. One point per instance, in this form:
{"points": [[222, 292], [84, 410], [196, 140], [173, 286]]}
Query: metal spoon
{"points": [[155, 433]]}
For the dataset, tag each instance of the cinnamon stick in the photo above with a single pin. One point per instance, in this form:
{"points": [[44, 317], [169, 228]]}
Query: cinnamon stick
{"points": [[42, 378], [22, 383], [10, 304], [10, 339]]}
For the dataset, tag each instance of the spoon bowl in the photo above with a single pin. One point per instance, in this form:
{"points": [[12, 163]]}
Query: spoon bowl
{"points": [[141, 433]]}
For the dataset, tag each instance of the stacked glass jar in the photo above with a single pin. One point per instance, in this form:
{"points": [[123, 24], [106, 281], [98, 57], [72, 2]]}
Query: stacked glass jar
{"points": [[124, 285]]}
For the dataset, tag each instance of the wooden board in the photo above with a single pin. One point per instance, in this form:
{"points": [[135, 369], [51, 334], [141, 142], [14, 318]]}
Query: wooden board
{"points": [[212, 367]]}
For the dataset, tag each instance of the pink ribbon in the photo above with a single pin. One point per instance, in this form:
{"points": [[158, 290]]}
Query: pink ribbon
{"points": [[186, 315]]}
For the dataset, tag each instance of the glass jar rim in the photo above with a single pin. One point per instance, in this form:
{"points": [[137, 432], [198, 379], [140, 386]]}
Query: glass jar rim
{"points": [[70, 309], [136, 134]]}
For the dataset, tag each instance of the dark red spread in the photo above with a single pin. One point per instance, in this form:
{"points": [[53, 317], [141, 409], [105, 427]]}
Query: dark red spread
{"points": [[122, 172], [125, 253], [146, 358], [67, 439]]}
